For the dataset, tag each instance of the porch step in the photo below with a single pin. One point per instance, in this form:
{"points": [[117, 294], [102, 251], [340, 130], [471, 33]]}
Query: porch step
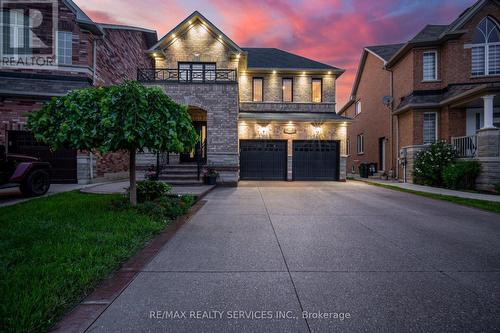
{"points": [[179, 172], [183, 182], [179, 176]]}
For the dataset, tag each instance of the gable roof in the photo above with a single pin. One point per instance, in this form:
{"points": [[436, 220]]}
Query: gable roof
{"points": [[273, 58], [384, 52], [430, 32], [82, 18], [186, 24], [150, 36], [433, 34]]}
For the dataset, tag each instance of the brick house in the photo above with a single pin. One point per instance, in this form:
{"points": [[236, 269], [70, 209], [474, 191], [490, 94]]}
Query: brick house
{"points": [[261, 113], [443, 84], [89, 54]]}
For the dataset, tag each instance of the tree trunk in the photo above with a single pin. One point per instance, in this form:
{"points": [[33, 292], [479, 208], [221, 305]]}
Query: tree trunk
{"points": [[133, 185]]}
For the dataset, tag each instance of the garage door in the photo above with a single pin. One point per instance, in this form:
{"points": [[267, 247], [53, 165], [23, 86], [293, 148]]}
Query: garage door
{"points": [[315, 160], [263, 159], [63, 161]]}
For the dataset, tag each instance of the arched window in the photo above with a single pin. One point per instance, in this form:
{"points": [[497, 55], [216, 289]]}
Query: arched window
{"points": [[486, 48]]}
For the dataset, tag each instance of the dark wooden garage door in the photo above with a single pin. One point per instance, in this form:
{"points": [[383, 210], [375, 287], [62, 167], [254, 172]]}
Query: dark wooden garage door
{"points": [[315, 160], [63, 161], [263, 159]]}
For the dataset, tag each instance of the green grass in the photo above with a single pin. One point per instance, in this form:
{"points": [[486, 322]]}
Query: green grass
{"points": [[491, 206], [55, 250]]}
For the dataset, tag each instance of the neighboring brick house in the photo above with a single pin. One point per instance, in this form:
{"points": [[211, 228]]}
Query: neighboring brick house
{"points": [[443, 84], [89, 54], [261, 113]]}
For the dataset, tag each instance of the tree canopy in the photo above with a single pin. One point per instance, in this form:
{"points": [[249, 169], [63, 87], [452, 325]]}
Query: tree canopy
{"points": [[128, 116]]}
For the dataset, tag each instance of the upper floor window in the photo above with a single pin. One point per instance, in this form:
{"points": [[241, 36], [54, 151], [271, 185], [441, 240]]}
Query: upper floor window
{"points": [[357, 108], [258, 89], [316, 90], [430, 127], [430, 65], [64, 47], [287, 90], [486, 48], [196, 72]]}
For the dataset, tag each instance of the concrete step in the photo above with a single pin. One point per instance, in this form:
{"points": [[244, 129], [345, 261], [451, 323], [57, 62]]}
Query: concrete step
{"points": [[176, 182], [182, 176], [179, 172]]}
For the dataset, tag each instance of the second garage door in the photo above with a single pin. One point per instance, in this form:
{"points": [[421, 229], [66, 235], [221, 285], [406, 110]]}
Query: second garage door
{"points": [[315, 160], [263, 159]]}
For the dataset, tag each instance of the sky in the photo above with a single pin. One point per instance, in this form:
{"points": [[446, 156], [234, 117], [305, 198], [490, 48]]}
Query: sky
{"points": [[330, 31]]}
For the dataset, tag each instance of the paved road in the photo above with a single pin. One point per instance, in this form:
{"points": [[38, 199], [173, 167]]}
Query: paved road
{"points": [[393, 261]]}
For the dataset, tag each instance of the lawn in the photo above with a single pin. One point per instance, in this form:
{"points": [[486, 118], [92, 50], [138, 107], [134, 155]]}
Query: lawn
{"points": [[491, 206], [55, 250]]}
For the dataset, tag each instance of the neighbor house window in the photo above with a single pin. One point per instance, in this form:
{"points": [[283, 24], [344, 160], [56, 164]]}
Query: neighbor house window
{"points": [[64, 47], [258, 89], [360, 144], [357, 108], [316, 90], [430, 127], [430, 65], [485, 49], [16, 25], [287, 90]]}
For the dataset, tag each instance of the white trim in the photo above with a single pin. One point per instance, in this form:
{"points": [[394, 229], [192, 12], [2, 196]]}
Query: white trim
{"points": [[376, 55], [436, 127], [357, 107], [360, 143], [435, 78]]}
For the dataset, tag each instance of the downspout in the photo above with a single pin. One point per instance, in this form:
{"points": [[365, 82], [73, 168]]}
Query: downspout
{"points": [[94, 74], [391, 122]]}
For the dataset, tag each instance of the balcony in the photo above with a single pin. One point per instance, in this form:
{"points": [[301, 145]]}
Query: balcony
{"points": [[176, 75], [286, 107], [465, 146]]}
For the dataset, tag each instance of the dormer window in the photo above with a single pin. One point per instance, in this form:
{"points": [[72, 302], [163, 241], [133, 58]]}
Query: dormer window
{"points": [[485, 48]]}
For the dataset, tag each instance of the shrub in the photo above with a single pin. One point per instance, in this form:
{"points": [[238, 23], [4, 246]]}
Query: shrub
{"points": [[430, 163], [461, 175], [167, 207], [149, 190], [497, 187]]}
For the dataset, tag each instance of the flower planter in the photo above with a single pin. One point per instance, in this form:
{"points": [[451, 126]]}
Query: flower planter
{"points": [[211, 180]]}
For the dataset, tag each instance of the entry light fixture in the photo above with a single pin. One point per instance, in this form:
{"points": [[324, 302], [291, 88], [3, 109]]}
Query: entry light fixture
{"points": [[173, 35], [317, 130], [263, 130], [274, 71]]}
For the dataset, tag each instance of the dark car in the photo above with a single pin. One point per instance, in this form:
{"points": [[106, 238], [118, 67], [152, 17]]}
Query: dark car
{"points": [[31, 175]]}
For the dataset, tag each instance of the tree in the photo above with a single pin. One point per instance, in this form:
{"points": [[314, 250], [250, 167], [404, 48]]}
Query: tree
{"points": [[128, 117]]}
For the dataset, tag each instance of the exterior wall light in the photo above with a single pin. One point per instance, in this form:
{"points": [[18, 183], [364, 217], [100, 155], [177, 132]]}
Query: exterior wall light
{"points": [[274, 72], [317, 130], [329, 72], [263, 130], [173, 35]]}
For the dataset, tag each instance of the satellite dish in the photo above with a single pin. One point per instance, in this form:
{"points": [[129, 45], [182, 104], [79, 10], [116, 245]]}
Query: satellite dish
{"points": [[387, 100]]}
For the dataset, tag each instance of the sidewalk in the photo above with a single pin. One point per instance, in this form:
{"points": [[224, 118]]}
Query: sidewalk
{"points": [[121, 187], [433, 190]]}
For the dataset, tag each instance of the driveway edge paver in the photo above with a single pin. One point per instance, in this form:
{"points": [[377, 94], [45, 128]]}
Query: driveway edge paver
{"points": [[83, 315]]}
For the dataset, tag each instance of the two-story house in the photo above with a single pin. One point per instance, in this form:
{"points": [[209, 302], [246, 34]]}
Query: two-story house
{"points": [[261, 113], [443, 84], [86, 54]]}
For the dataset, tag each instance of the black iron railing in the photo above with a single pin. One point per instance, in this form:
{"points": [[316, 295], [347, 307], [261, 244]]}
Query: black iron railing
{"points": [[187, 75]]}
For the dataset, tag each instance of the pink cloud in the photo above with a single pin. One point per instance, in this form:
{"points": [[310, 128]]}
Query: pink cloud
{"points": [[330, 31]]}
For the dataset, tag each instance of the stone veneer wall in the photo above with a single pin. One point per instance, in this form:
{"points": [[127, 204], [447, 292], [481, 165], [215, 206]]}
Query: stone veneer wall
{"points": [[488, 141], [220, 101], [304, 131], [302, 87]]}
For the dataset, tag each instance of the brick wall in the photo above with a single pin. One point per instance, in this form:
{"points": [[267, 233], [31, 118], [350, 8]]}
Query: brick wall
{"points": [[374, 120], [120, 54], [13, 114]]}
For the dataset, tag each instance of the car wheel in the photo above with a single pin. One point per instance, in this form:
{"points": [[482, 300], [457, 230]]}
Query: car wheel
{"points": [[37, 183]]}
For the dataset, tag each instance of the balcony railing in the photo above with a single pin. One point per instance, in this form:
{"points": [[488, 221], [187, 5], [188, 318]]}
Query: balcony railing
{"points": [[187, 75], [465, 146]]}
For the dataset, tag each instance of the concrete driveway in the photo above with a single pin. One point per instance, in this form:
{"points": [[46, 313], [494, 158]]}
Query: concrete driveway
{"points": [[353, 256]]}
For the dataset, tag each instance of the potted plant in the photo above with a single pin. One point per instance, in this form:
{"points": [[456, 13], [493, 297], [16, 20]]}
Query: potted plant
{"points": [[211, 176]]}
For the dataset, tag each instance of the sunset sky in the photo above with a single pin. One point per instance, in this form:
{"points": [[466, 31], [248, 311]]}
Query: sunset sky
{"points": [[330, 31]]}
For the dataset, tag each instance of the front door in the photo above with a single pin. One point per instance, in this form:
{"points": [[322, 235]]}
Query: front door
{"points": [[381, 154], [200, 148]]}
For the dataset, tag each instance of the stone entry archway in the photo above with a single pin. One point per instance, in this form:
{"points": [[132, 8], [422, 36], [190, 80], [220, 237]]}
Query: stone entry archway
{"points": [[199, 153]]}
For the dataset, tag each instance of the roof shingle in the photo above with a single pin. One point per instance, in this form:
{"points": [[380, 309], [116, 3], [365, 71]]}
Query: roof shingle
{"points": [[276, 58], [385, 51]]}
